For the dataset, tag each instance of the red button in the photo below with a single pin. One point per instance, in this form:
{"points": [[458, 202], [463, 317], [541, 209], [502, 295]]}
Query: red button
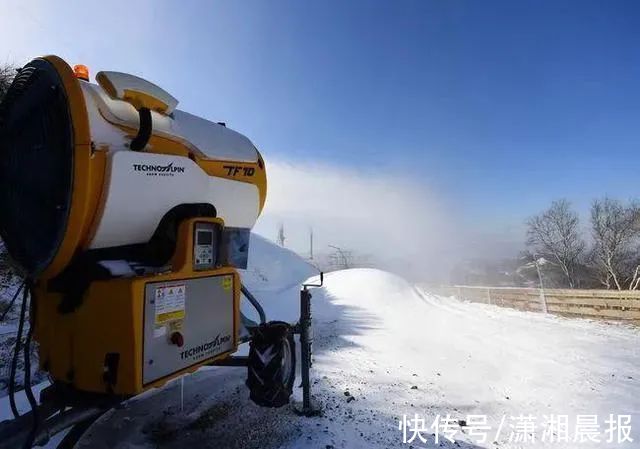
{"points": [[177, 339]]}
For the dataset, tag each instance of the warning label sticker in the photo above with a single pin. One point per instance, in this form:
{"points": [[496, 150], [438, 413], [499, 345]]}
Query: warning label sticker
{"points": [[227, 282], [170, 303]]}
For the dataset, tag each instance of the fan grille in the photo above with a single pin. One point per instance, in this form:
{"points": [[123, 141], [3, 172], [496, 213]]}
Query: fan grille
{"points": [[36, 166]]}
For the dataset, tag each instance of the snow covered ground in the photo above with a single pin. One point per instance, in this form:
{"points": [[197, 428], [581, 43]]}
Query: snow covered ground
{"points": [[385, 349]]}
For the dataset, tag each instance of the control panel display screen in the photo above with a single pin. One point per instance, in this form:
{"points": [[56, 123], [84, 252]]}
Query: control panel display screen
{"points": [[205, 237], [204, 248]]}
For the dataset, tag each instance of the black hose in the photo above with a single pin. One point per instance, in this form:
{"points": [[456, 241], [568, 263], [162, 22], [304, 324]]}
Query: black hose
{"points": [[27, 370], [144, 132], [12, 302], [254, 302], [16, 353]]}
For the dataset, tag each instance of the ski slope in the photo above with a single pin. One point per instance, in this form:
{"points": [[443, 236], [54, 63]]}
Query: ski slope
{"points": [[397, 351]]}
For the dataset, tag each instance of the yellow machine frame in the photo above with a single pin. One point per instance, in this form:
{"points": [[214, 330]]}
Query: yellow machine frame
{"points": [[102, 336], [111, 320]]}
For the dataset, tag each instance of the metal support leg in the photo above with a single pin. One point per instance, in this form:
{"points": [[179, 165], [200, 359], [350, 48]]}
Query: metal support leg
{"points": [[306, 340]]}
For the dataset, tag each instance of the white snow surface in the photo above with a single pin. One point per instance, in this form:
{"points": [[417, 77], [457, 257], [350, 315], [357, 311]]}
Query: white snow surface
{"points": [[397, 350]]}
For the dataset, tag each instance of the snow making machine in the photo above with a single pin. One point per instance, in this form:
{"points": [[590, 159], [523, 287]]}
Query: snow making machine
{"points": [[129, 219]]}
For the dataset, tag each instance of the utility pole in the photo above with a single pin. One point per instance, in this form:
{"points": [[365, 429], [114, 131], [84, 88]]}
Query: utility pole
{"points": [[310, 243], [281, 237]]}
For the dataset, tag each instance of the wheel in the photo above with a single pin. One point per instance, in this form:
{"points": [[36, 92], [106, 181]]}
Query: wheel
{"points": [[272, 364]]}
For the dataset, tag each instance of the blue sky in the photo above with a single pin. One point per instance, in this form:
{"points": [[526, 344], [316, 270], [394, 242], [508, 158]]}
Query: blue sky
{"points": [[498, 107], [501, 105]]}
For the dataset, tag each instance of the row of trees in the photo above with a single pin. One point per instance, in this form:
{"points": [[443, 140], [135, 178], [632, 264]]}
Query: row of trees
{"points": [[608, 255]]}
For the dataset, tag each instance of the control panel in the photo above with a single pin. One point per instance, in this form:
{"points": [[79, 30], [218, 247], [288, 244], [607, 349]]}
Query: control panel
{"points": [[204, 246]]}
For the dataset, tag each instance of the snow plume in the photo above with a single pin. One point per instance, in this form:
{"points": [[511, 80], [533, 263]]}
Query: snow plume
{"points": [[388, 220]]}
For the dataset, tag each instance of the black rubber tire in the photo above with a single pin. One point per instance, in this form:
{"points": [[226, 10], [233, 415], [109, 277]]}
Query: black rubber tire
{"points": [[272, 364]]}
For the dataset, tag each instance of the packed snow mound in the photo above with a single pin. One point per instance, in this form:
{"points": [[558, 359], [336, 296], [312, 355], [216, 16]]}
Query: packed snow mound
{"points": [[274, 268], [369, 287], [274, 275]]}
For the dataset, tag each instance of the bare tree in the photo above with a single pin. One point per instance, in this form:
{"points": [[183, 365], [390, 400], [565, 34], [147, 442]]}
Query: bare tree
{"points": [[555, 235], [598, 271], [6, 76], [614, 227]]}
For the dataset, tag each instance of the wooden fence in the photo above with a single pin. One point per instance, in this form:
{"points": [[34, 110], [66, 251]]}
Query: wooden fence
{"points": [[597, 304]]}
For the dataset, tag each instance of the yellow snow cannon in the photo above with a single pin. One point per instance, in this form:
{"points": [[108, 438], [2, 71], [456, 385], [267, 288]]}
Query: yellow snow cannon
{"points": [[128, 219]]}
